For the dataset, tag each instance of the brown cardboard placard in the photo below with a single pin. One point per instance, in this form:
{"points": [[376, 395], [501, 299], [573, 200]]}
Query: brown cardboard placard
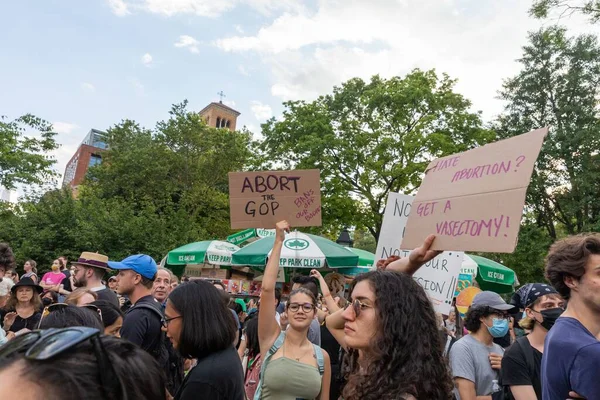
{"points": [[473, 201], [261, 199]]}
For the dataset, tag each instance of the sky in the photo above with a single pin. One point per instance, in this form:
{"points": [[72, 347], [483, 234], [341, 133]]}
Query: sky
{"points": [[84, 64]]}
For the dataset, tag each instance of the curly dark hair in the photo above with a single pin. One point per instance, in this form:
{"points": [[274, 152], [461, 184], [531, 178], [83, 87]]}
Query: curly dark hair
{"points": [[568, 257], [472, 319], [406, 357], [7, 258]]}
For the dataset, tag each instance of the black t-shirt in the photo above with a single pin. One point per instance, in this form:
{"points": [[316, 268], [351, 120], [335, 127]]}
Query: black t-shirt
{"points": [[218, 376], [143, 327], [515, 371], [30, 323], [108, 295]]}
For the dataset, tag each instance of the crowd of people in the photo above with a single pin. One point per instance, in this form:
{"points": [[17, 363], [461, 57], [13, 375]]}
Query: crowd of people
{"points": [[100, 329]]}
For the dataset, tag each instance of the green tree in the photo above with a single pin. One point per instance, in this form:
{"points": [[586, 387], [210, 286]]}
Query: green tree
{"points": [[370, 138], [542, 8], [24, 147], [559, 86]]}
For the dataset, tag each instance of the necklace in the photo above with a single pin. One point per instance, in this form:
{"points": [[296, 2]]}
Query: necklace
{"points": [[293, 356]]}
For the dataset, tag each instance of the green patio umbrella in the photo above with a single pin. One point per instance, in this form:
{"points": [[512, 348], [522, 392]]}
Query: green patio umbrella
{"points": [[213, 252], [300, 250], [249, 234], [493, 276], [365, 262]]}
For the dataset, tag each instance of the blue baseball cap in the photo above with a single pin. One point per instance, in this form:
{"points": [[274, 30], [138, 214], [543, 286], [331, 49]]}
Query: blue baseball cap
{"points": [[140, 263]]}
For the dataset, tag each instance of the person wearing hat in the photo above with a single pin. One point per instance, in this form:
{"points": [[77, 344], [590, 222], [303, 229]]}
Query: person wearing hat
{"points": [[89, 270], [23, 308], [141, 325], [475, 359], [112, 283], [522, 362]]}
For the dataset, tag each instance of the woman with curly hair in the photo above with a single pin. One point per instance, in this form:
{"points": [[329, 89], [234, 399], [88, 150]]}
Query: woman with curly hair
{"points": [[391, 335]]}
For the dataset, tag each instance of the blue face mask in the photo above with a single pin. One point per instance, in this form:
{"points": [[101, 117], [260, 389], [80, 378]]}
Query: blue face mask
{"points": [[499, 328]]}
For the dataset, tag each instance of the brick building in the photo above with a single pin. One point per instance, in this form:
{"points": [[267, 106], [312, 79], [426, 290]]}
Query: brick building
{"points": [[218, 115], [87, 155]]}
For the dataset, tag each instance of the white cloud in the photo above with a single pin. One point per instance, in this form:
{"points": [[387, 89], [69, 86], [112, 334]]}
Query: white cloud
{"points": [[308, 52], [118, 7], [88, 87], [64, 127], [147, 59], [242, 70], [261, 111], [188, 42], [239, 29], [229, 103]]}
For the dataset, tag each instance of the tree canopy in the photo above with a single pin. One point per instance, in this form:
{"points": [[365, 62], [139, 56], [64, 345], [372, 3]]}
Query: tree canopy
{"points": [[372, 138]]}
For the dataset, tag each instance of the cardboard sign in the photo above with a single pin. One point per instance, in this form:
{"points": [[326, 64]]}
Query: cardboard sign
{"points": [[261, 199], [439, 276], [474, 200]]}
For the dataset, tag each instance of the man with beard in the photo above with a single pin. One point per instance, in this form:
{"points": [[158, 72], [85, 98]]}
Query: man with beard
{"points": [[162, 286], [90, 268]]}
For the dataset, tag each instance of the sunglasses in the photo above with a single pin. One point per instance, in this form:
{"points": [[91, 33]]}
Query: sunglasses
{"points": [[306, 307], [62, 306], [46, 344], [358, 306]]}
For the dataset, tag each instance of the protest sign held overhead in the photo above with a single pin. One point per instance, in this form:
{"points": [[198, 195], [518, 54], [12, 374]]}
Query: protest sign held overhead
{"points": [[260, 199], [439, 276], [474, 200]]}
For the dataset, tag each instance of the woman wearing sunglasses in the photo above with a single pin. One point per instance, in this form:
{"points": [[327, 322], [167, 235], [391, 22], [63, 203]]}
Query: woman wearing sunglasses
{"points": [[22, 310], [290, 353], [77, 363], [201, 326], [390, 332]]}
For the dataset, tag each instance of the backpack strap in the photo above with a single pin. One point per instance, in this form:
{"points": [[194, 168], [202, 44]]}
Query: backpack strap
{"points": [[278, 343], [147, 306], [320, 359], [527, 350], [447, 347]]}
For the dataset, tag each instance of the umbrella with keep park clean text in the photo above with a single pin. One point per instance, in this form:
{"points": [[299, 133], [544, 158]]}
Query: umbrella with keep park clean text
{"points": [[214, 252], [365, 262], [300, 250]]}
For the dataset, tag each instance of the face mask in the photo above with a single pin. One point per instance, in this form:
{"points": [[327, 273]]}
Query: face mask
{"points": [[55, 268], [550, 316], [499, 328], [46, 301]]}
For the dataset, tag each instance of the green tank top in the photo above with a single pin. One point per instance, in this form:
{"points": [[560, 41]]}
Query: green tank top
{"points": [[287, 379]]}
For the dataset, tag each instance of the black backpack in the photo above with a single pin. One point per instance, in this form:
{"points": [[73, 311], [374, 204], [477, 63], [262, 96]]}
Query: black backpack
{"points": [[166, 355], [505, 393]]}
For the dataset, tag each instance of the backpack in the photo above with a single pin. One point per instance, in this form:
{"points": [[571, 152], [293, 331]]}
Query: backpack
{"points": [[253, 377], [505, 393], [278, 343], [166, 355]]}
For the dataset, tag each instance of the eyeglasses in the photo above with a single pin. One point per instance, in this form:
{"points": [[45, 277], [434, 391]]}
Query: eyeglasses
{"points": [[358, 306], [46, 344], [306, 307], [62, 306], [165, 321]]}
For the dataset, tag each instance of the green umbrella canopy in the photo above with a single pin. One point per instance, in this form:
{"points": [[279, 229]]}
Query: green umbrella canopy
{"points": [[365, 262], [300, 250], [248, 234], [493, 276], [212, 252]]}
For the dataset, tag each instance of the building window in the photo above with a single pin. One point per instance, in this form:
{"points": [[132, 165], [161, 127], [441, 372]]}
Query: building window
{"points": [[218, 124], [94, 160], [227, 124]]}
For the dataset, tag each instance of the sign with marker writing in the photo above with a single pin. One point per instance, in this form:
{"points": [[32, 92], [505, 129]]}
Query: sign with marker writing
{"points": [[439, 276], [261, 199], [473, 201]]}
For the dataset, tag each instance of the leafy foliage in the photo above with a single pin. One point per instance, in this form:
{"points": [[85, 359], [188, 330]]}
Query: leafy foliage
{"points": [[559, 86], [543, 8], [24, 146], [370, 138], [155, 190]]}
